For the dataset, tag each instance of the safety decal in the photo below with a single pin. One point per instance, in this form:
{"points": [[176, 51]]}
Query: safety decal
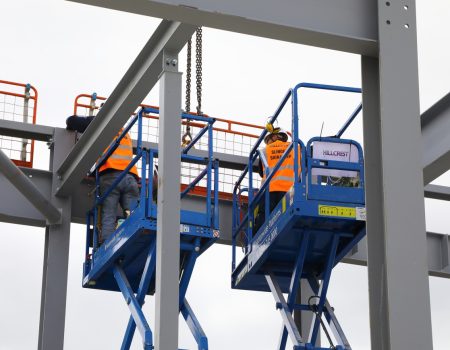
{"points": [[184, 228], [341, 212], [361, 213]]}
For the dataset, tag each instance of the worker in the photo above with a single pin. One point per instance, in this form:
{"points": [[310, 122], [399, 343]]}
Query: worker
{"points": [[126, 192], [276, 142]]}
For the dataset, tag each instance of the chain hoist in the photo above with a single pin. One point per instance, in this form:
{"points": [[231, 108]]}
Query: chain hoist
{"points": [[187, 137], [198, 72], [188, 76]]}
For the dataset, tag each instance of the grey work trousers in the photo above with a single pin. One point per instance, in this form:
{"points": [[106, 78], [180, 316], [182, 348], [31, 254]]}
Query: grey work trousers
{"points": [[126, 193]]}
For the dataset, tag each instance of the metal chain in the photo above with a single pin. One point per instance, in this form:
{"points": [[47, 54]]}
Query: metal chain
{"points": [[198, 63], [187, 137], [188, 76]]}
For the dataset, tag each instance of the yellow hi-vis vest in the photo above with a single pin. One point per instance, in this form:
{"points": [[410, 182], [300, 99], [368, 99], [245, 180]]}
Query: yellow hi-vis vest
{"points": [[122, 156], [284, 177]]}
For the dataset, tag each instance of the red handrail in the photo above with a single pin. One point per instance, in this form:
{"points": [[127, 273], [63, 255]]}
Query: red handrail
{"points": [[33, 96], [228, 129]]}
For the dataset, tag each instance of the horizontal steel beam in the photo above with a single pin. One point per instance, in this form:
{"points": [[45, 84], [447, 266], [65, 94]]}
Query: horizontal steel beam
{"points": [[227, 161], [436, 139], [438, 248], [26, 131], [345, 25], [437, 192], [137, 82], [28, 190], [17, 210]]}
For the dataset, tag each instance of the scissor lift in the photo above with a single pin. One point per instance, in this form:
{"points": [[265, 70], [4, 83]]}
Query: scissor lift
{"points": [[126, 261], [310, 230]]}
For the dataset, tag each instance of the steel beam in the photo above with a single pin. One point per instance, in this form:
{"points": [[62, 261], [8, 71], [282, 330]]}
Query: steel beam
{"points": [[345, 25], [434, 123], [437, 247], [131, 90], [228, 161], [437, 192], [17, 210], [436, 139], [168, 220], [24, 185], [26, 131], [397, 257], [56, 262]]}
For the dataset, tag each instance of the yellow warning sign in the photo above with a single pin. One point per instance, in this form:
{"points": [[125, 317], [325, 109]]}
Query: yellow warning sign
{"points": [[342, 212]]}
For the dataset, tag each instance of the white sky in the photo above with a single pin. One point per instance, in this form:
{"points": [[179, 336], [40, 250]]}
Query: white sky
{"points": [[65, 49]]}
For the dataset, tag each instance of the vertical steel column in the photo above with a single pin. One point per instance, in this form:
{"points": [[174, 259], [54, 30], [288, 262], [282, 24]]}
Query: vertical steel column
{"points": [[397, 256], [56, 259], [168, 218]]}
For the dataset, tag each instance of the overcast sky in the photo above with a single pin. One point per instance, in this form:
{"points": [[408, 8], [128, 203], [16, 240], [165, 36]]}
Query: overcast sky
{"points": [[65, 49]]}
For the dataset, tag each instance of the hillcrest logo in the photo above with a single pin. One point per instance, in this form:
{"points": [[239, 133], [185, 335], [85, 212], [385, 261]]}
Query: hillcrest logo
{"points": [[335, 153]]}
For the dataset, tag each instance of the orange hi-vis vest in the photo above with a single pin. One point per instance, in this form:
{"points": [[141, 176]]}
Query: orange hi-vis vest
{"points": [[284, 177], [122, 156]]}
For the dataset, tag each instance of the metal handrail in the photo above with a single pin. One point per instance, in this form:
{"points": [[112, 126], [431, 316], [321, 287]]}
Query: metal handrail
{"points": [[230, 124], [292, 93], [32, 96], [147, 157]]}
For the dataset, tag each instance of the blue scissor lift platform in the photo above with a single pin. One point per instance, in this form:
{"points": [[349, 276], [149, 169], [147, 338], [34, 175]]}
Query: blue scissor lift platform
{"points": [[317, 222], [126, 261]]}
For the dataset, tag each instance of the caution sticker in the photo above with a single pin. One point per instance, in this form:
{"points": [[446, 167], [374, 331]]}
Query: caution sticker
{"points": [[341, 212], [361, 213]]}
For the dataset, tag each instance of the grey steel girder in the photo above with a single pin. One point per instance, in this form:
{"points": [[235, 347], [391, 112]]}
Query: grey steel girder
{"points": [[227, 161], [345, 25], [437, 192], [436, 139], [17, 210], [56, 258], [25, 130], [399, 295], [438, 245], [28, 190], [167, 275], [137, 82]]}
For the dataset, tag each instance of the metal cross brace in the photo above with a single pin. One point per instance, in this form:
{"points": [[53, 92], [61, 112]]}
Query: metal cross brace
{"points": [[135, 302], [322, 309]]}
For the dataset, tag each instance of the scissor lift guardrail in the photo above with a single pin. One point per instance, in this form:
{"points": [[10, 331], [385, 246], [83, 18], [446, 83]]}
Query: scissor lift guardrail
{"points": [[311, 229], [125, 262]]}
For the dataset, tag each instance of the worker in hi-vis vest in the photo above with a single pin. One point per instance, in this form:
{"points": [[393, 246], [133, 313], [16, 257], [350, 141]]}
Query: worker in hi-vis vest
{"points": [[276, 144], [126, 192]]}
